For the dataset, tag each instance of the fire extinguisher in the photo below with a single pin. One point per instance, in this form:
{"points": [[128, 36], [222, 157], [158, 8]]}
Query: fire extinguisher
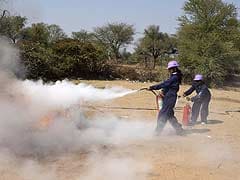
{"points": [[186, 114], [159, 97], [159, 100]]}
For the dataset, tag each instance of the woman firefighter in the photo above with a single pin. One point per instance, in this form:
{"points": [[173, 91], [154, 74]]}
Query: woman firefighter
{"points": [[200, 101], [170, 88]]}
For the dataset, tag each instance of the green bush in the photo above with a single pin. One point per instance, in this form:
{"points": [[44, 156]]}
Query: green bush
{"points": [[64, 59]]}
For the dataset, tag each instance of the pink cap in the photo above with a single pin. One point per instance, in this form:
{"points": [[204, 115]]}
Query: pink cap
{"points": [[172, 64], [198, 77]]}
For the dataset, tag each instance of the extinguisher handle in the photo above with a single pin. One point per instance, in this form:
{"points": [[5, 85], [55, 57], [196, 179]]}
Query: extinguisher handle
{"points": [[154, 92]]}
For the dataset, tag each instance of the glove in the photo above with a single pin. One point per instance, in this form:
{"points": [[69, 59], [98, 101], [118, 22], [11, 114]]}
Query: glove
{"points": [[150, 88]]}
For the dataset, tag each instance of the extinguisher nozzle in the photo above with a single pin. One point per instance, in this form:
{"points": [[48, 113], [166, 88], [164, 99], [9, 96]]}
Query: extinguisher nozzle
{"points": [[143, 89]]}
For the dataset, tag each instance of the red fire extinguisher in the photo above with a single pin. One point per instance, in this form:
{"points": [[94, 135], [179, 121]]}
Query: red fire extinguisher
{"points": [[186, 114], [159, 97], [159, 100]]}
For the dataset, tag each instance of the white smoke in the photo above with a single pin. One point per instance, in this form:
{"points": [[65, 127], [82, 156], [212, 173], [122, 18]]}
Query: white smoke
{"points": [[21, 118], [24, 105], [65, 93], [9, 56], [111, 167]]}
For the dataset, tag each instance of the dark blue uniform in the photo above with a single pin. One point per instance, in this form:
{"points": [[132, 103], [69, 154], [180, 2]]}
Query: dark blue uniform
{"points": [[201, 100], [170, 88]]}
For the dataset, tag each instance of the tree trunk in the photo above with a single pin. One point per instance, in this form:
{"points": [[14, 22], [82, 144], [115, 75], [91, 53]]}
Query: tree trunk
{"points": [[116, 54], [145, 62], [154, 62], [161, 61], [14, 40]]}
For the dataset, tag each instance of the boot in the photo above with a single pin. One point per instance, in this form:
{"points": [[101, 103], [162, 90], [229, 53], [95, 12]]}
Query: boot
{"points": [[180, 131]]}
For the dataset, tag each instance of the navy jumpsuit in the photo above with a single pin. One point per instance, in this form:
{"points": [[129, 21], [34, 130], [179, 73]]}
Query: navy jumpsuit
{"points": [[170, 88], [201, 100]]}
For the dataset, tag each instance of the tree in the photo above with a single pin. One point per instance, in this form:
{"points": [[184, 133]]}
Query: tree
{"points": [[83, 36], [207, 39], [80, 59], [11, 27], [37, 33], [125, 55], [37, 60], [66, 58], [154, 44], [43, 33], [55, 33], [3, 13], [114, 36]]}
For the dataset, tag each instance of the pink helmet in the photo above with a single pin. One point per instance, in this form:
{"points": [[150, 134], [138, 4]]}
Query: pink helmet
{"points": [[172, 64], [198, 77]]}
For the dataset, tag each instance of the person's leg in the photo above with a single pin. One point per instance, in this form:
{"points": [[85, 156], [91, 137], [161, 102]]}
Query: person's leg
{"points": [[205, 110], [175, 124], [161, 122], [172, 119], [195, 112], [163, 116]]}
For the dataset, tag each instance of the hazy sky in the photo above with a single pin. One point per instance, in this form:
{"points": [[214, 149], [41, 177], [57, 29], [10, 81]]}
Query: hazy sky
{"points": [[73, 15]]}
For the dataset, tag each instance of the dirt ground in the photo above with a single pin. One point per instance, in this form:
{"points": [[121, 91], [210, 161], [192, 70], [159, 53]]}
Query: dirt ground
{"points": [[206, 152]]}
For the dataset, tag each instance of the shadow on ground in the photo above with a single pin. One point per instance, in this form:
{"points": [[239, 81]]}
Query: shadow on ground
{"points": [[196, 131], [212, 121]]}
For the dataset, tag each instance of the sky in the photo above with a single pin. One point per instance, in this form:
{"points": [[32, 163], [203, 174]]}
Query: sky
{"points": [[74, 15]]}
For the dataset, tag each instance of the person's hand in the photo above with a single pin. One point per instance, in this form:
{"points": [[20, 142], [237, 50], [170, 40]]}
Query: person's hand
{"points": [[150, 88], [193, 99]]}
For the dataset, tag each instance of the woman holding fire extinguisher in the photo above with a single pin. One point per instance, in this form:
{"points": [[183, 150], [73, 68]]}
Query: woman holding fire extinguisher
{"points": [[200, 101], [170, 88]]}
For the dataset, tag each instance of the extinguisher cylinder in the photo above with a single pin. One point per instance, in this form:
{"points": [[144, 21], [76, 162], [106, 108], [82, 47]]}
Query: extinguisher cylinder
{"points": [[186, 114]]}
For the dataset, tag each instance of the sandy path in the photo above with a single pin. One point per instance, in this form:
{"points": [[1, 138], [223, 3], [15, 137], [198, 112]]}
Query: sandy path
{"points": [[207, 152]]}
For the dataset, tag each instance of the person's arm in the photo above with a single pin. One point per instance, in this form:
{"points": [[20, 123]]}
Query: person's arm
{"points": [[201, 94], [165, 84], [189, 91]]}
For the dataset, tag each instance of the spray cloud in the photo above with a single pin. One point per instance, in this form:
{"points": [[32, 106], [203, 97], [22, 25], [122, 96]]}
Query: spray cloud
{"points": [[24, 103]]}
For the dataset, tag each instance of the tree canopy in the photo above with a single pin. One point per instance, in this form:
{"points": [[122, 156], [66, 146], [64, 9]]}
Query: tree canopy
{"points": [[11, 26], [83, 36], [115, 36], [154, 43], [207, 39], [43, 33]]}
